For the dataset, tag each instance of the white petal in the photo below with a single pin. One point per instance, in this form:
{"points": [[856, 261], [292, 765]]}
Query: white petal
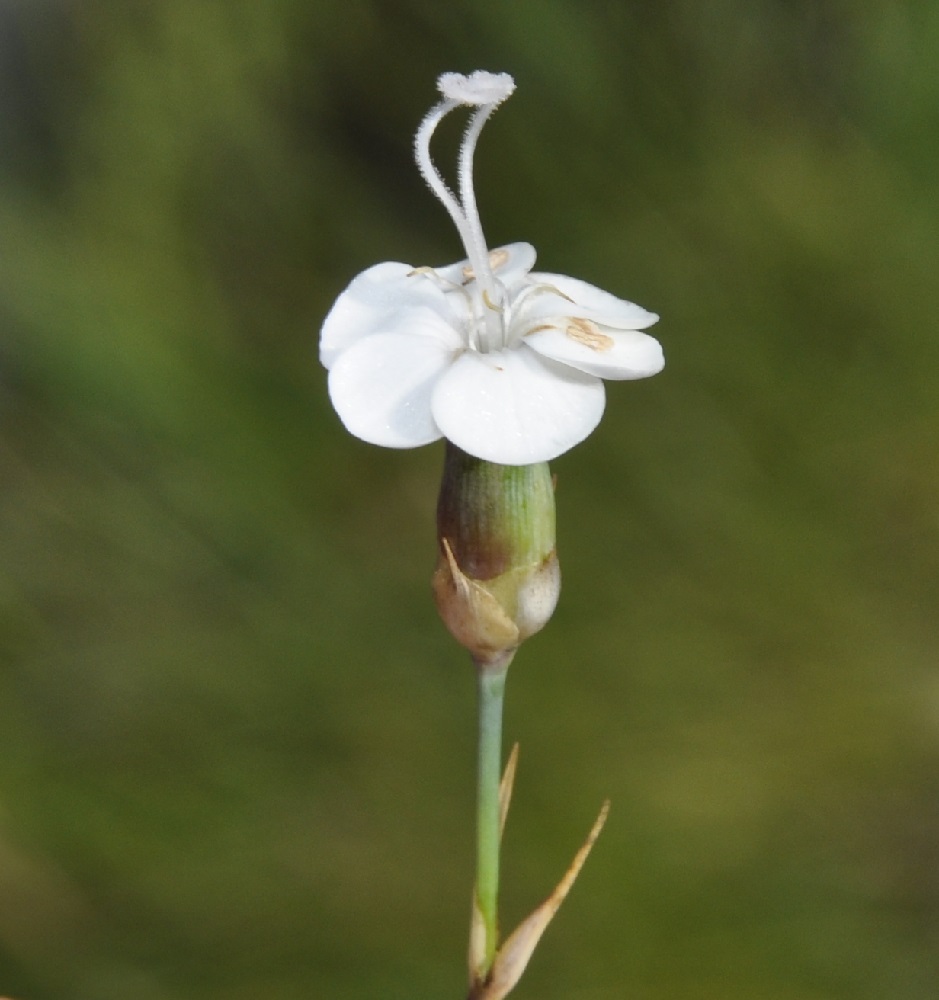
{"points": [[511, 263], [589, 302], [370, 299], [382, 385], [617, 354], [515, 407]]}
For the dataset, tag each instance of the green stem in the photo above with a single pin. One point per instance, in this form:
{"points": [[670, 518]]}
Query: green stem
{"points": [[491, 687]]}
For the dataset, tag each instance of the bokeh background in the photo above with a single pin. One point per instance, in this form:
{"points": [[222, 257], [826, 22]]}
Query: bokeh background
{"points": [[236, 746]]}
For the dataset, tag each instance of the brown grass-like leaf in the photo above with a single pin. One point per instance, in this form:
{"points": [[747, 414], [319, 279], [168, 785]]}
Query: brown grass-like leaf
{"points": [[518, 948]]}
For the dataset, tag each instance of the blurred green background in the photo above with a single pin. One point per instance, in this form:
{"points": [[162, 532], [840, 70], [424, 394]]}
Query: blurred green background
{"points": [[237, 745]]}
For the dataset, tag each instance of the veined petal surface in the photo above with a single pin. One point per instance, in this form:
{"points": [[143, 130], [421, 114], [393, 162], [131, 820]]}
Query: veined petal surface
{"points": [[515, 407]]}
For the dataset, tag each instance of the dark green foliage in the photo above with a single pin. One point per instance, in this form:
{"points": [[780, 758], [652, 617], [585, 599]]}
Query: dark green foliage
{"points": [[236, 743]]}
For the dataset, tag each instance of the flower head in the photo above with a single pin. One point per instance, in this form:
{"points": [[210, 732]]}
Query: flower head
{"points": [[503, 361]]}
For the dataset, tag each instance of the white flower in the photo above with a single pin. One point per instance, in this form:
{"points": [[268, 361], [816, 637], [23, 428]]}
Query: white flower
{"points": [[503, 361]]}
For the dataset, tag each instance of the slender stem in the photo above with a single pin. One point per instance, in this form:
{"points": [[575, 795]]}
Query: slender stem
{"points": [[491, 688]]}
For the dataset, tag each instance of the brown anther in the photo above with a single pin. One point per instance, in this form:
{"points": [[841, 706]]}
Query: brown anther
{"points": [[588, 333], [497, 258], [490, 303]]}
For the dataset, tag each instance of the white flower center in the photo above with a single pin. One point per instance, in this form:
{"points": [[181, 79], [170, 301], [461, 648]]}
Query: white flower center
{"points": [[484, 92]]}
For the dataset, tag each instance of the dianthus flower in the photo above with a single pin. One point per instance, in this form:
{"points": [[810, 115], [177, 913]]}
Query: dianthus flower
{"points": [[503, 361]]}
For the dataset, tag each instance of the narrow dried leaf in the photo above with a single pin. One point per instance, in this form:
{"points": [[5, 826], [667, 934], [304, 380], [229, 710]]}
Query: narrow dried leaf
{"points": [[506, 786], [518, 948]]}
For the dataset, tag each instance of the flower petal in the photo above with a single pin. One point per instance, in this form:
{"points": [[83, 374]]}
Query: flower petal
{"points": [[597, 350], [588, 301], [372, 297], [510, 265], [382, 385], [515, 407]]}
